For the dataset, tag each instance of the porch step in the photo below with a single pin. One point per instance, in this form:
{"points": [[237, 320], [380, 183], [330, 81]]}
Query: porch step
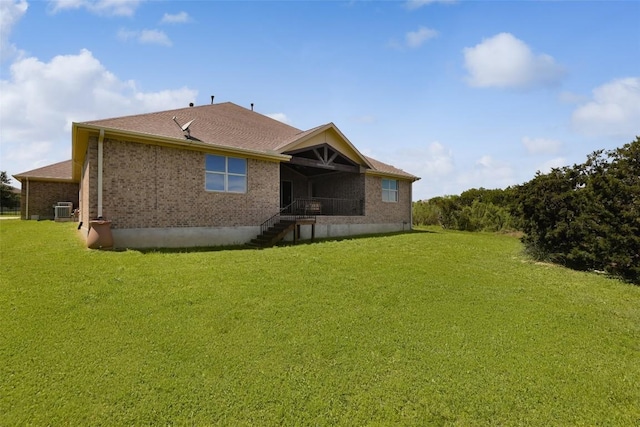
{"points": [[273, 235]]}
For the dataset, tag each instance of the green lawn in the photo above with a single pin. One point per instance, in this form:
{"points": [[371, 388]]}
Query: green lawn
{"points": [[424, 328]]}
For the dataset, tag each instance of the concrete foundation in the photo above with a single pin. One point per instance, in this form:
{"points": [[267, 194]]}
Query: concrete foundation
{"points": [[182, 237]]}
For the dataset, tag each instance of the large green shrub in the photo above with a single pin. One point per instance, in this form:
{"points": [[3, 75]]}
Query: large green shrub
{"points": [[587, 216]]}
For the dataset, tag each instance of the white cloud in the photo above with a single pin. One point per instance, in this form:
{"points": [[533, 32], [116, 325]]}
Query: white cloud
{"points": [[413, 39], [567, 97], [178, 18], [99, 7], [417, 38], [416, 4], [488, 173], [281, 117], [541, 145], [614, 110], [40, 100], [154, 37], [558, 162], [434, 160], [507, 62], [145, 37], [433, 163], [10, 13]]}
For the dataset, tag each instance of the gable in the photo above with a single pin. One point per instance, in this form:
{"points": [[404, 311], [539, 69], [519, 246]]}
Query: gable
{"points": [[327, 135]]}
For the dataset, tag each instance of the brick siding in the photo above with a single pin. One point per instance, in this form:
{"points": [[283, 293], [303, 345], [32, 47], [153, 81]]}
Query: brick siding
{"points": [[44, 195], [150, 186], [157, 187]]}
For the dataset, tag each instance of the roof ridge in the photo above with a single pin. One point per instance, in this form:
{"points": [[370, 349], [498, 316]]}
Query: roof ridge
{"points": [[164, 112]]}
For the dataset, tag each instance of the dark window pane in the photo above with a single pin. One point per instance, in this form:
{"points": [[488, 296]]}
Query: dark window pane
{"points": [[215, 163], [237, 165]]}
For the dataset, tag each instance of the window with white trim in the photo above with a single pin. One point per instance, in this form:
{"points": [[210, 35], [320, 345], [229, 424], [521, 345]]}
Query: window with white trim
{"points": [[227, 174], [389, 190]]}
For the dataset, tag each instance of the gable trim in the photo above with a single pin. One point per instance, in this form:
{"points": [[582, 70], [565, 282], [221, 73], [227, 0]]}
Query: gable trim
{"points": [[317, 131]]}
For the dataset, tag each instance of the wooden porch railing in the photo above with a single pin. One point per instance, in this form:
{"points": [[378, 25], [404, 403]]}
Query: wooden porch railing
{"points": [[312, 207], [295, 211], [336, 207]]}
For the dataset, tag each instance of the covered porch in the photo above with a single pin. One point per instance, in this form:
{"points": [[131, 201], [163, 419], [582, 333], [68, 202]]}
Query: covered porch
{"points": [[319, 180]]}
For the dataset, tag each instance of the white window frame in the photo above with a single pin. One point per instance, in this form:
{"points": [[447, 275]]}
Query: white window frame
{"points": [[226, 174], [390, 195]]}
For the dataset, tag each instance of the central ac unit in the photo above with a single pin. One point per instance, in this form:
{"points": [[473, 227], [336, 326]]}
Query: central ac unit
{"points": [[63, 211]]}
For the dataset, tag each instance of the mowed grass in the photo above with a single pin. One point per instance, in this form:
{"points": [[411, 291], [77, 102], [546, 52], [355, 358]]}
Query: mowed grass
{"points": [[423, 328]]}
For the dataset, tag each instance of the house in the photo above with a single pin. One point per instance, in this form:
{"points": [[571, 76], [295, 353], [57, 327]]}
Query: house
{"points": [[44, 187], [221, 174]]}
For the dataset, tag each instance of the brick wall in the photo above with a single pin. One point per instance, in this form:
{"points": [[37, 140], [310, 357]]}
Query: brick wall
{"points": [[149, 186], [44, 195], [299, 181], [387, 212], [89, 184]]}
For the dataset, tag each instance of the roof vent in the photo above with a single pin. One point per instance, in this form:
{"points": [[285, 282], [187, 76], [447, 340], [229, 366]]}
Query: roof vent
{"points": [[212, 96], [252, 106], [191, 104]]}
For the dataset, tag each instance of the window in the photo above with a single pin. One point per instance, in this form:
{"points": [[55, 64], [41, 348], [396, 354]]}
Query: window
{"points": [[389, 190], [228, 174]]}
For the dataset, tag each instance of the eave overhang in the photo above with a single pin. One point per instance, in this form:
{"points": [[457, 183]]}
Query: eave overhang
{"points": [[391, 175], [23, 178], [81, 132]]}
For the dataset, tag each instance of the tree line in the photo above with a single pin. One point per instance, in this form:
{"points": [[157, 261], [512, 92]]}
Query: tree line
{"points": [[585, 216], [9, 200]]}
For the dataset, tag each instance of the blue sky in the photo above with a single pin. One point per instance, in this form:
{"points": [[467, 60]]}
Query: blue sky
{"points": [[463, 94]]}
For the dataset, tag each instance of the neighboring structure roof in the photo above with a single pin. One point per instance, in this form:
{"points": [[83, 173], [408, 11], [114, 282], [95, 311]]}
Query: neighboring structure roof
{"points": [[231, 126], [60, 172]]}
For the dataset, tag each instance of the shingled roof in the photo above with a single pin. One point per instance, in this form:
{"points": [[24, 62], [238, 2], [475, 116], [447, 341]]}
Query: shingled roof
{"points": [[58, 172], [227, 125], [224, 124]]}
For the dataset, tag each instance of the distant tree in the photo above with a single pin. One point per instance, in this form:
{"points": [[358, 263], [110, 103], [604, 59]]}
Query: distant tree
{"points": [[8, 199], [473, 210]]}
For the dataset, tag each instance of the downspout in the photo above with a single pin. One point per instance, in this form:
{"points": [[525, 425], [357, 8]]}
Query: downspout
{"points": [[411, 213], [100, 144], [26, 216]]}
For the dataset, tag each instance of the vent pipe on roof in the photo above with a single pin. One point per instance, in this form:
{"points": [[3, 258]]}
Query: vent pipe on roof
{"points": [[252, 106], [212, 99], [191, 104]]}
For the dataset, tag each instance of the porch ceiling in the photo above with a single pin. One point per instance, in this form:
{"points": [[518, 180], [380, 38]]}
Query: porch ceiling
{"points": [[309, 171], [321, 159]]}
